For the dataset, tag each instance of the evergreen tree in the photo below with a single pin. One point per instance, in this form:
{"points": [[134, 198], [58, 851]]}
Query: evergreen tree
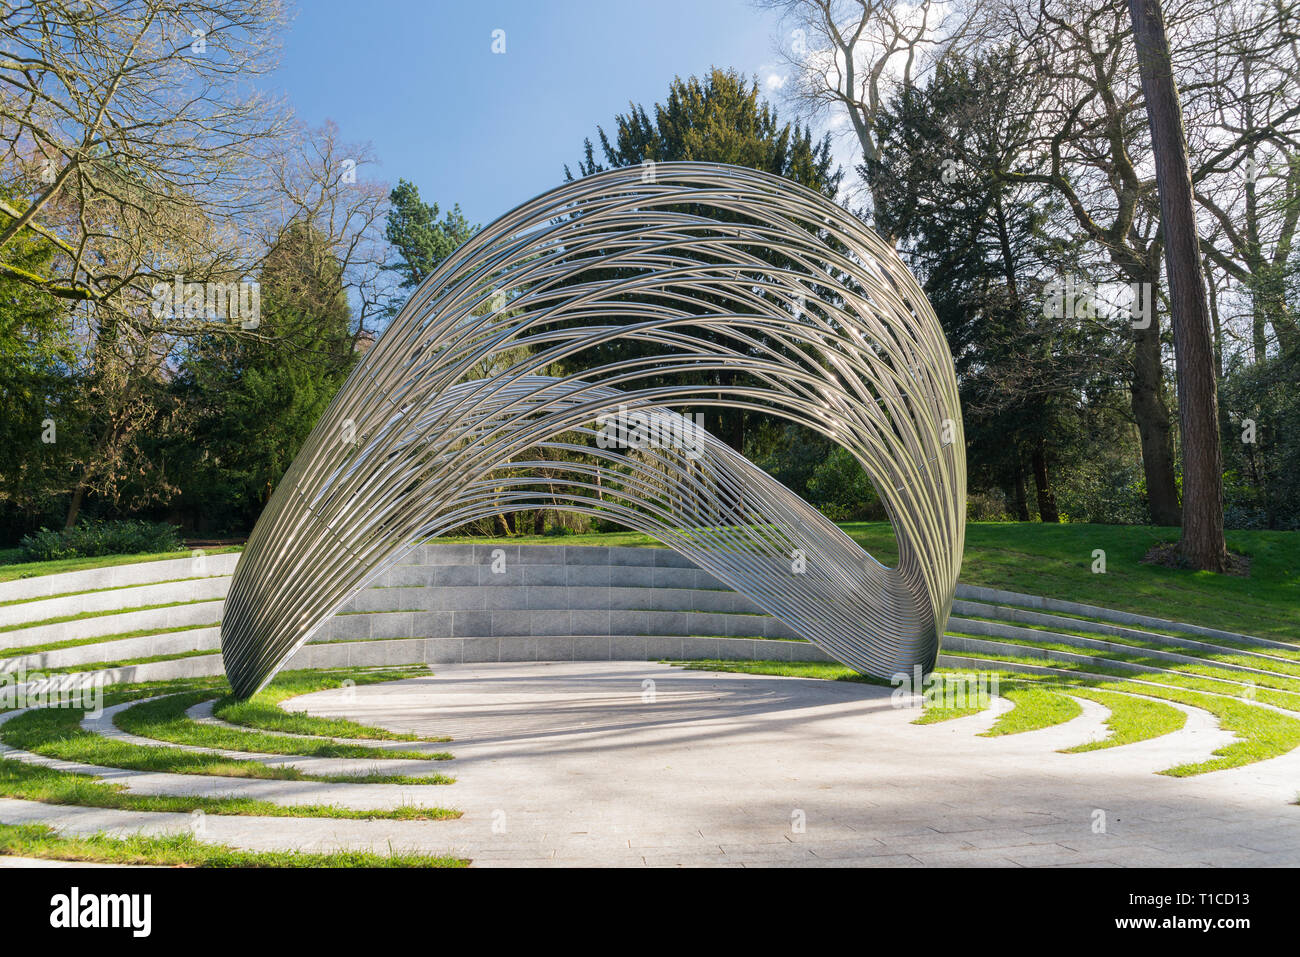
{"points": [[421, 239], [978, 243], [38, 395], [720, 119]]}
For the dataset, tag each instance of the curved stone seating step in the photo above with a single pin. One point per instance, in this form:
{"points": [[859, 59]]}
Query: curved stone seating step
{"points": [[1011, 613], [505, 596], [104, 726], [145, 646], [958, 644], [999, 597], [1001, 630], [134, 596], [153, 619], [540, 623], [493, 602], [417, 651], [1140, 673], [118, 576], [550, 648]]}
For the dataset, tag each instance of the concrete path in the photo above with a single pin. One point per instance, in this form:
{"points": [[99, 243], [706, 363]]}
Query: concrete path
{"points": [[630, 764]]}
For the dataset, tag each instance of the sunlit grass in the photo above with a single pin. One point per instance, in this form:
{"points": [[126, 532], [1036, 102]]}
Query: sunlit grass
{"points": [[1131, 719], [165, 720], [263, 711], [34, 840], [31, 782]]}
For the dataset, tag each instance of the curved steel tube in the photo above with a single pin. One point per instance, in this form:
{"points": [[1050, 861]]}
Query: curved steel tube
{"points": [[773, 297]]}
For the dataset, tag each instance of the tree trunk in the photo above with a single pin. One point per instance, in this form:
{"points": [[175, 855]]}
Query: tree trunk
{"points": [[1147, 398], [74, 507], [1047, 511], [1022, 498], [1214, 319], [1198, 404]]}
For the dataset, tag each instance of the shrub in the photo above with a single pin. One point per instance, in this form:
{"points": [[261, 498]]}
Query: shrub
{"points": [[990, 506], [840, 489], [89, 539]]}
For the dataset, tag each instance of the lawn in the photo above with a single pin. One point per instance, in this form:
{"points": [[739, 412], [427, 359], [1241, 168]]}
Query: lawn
{"points": [[12, 568]]}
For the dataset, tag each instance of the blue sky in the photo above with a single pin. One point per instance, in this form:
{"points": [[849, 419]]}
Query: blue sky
{"points": [[417, 80]]}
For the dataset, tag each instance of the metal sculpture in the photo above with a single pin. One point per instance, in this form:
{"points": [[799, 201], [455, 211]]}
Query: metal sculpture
{"points": [[593, 308]]}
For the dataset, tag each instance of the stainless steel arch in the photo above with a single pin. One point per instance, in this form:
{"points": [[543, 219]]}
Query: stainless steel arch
{"points": [[683, 284]]}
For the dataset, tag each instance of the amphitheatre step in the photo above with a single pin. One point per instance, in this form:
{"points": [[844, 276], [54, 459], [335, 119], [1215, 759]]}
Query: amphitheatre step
{"points": [[114, 599], [503, 602], [503, 596], [1012, 613], [997, 629], [540, 623], [408, 651], [193, 614], [956, 644], [142, 646], [118, 576], [551, 648], [949, 659], [998, 597]]}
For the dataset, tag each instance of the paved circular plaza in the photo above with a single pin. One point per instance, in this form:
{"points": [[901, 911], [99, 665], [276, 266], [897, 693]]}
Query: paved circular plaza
{"points": [[610, 763]]}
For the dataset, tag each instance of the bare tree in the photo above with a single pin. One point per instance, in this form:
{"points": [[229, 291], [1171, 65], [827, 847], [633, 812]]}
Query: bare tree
{"points": [[1238, 72], [848, 57], [128, 128], [315, 177]]}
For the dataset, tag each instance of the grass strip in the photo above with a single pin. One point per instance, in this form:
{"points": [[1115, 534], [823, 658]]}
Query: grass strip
{"points": [[184, 850], [33, 782], [164, 720]]}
